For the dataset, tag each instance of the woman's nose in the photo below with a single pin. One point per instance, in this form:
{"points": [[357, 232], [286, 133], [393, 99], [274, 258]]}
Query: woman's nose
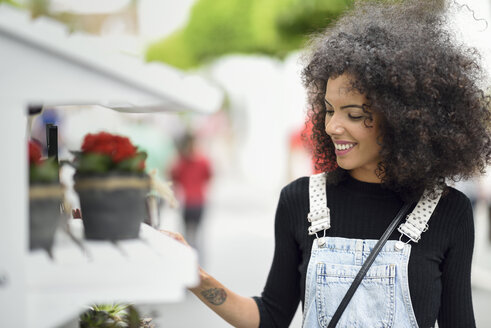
{"points": [[333, 126]]}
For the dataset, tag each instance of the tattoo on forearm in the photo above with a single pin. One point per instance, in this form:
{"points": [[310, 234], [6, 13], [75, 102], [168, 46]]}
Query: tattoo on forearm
{"points": [[215, 296]]}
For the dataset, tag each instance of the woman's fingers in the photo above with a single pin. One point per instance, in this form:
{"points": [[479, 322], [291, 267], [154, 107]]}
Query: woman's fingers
{"points": [[76, 213], [177, 236]]}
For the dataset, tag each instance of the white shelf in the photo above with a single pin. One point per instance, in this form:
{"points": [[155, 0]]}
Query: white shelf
{"points": [[43, 64], [152, 269]]}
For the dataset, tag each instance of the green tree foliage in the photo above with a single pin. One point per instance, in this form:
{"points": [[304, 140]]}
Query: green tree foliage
{"points": [[218, 27], [12, 3]]}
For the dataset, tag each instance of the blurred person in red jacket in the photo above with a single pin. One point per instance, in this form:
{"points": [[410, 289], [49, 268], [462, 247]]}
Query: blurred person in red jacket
{"points": [[191, 173]]}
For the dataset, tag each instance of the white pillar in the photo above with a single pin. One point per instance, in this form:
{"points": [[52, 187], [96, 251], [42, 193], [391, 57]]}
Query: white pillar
{"points": [[13, 213]]}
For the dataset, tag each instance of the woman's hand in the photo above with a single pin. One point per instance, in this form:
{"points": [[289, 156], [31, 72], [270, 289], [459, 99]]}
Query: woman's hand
{"points": [[237, 310], [177, 236]]}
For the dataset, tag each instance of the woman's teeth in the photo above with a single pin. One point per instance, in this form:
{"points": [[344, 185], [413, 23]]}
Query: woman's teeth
{"points": [[343, 146]]}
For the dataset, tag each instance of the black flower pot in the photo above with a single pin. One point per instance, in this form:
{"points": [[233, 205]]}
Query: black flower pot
{"points": [[44, 214], [113, 206]]}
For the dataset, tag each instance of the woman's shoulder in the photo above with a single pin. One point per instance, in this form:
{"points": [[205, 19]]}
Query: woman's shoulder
{"points": [[454, 204], [452, 222], [456, 197], [296, 187]]}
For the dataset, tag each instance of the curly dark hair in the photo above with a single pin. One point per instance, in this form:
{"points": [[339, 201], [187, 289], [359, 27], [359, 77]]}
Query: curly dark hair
{"points": [[435, 118]]}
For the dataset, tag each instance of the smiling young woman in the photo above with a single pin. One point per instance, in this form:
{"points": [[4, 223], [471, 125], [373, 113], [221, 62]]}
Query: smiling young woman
{"points": [[395, 106]]}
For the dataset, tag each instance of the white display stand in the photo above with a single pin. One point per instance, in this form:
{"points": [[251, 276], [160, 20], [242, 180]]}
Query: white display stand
{"points": [[154, 268], [42, 64]]}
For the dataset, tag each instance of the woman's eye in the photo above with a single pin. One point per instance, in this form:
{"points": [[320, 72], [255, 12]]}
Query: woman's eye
{"points": [[355, 117], [329, 112]]}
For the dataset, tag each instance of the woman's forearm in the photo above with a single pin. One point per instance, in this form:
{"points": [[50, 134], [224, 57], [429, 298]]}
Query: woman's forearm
{"points": [[237, 310]]}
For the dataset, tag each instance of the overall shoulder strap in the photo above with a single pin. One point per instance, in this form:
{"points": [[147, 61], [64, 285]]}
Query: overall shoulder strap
{"points": [[319, 215], [417, 221]]}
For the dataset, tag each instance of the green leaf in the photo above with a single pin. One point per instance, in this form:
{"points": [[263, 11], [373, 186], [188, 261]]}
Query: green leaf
{"points": [[94, 319], [132, 164], [106, 316], [93, 163], [45, 172], [133, 318]]}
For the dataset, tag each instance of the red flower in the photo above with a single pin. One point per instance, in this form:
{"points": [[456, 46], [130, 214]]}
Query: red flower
{"points": [[123, 149], [34, 153], [119, 148]]}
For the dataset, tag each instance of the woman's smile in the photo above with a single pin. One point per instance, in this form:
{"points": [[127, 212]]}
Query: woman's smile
{"points": [[343, 147]]}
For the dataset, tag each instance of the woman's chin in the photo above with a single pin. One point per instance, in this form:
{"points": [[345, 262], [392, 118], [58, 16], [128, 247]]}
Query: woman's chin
{"points": [[345, 165]]}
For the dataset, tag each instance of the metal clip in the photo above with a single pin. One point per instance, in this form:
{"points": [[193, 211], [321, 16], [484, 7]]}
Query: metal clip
{"points": [[321, 241], [399, 246]]}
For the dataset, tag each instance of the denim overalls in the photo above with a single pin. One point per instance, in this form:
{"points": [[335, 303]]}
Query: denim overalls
{"points": [[382, 299]]}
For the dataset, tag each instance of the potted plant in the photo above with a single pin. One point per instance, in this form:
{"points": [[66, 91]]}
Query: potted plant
{"points": [[113, 316], [112, 186], [45, 197]]}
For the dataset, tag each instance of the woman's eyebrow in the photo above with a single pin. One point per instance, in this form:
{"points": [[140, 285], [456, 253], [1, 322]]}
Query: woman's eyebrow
{"points": [[356, 106], [343, 107]]}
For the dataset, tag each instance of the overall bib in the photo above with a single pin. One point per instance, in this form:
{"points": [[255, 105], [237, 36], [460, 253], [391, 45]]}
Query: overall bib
{"points": [[382, 300]]}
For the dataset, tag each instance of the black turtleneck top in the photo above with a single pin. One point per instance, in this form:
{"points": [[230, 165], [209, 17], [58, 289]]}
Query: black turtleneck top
{"points": [[439, 264]]}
